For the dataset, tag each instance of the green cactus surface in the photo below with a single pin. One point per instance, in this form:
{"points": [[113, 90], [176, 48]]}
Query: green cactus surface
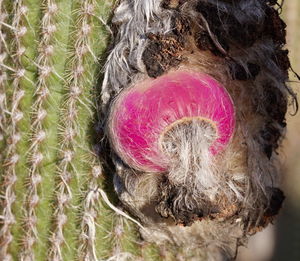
{"points": [[52, 183]]}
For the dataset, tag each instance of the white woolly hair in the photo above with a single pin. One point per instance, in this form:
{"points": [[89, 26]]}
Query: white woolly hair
{"points": [[135, 19], [187, 145], [242, 173]]}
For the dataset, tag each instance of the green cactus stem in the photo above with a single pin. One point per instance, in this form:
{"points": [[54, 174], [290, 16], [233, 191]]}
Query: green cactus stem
{"points": [[51, 208]]}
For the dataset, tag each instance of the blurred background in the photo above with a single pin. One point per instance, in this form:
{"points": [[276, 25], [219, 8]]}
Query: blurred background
{"points": [[281, 242]]}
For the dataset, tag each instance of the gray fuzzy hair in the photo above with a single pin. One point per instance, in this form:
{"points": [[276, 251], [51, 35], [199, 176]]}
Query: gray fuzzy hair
{"points": [[221, 200], [134, 19]]}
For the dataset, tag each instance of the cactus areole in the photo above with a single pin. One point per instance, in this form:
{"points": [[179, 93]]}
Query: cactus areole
{"points": [[144, 113]]}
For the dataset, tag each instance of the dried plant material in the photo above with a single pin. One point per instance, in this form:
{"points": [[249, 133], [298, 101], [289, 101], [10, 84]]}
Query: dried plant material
{"points": [[238, 43]]}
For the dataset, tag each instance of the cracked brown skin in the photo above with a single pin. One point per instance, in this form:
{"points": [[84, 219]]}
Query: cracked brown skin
{"points": [[185, 215], [180, 212], [165, 52], [205, 209]]}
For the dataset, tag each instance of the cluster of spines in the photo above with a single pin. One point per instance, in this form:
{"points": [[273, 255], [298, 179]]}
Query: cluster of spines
{"points": [[3, 77], [69, 126], [47, 103], [3, 82], [87, 248], [13, 136], [37, 132]]}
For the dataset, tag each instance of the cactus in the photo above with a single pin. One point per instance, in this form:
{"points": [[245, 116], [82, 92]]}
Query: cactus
{"points": [[51, 179], [53, 187]]}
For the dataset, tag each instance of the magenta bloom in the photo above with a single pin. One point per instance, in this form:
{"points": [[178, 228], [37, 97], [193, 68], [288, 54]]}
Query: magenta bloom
{"points": [[144, 111]]}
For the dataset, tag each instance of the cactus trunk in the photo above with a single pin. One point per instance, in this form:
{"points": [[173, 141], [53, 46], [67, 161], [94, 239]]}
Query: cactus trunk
{"points": [[51, 208], [52, 182]]}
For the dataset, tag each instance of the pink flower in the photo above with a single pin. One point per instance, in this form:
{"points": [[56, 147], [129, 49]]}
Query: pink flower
{"points": [[143, 112]]}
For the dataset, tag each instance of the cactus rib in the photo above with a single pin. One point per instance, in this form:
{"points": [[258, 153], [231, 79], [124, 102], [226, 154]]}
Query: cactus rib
{"points": [[38, 133], [15, 115]]}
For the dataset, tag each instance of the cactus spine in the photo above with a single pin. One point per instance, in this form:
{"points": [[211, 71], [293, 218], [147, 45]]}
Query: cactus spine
{"points": [[51, 208]]}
